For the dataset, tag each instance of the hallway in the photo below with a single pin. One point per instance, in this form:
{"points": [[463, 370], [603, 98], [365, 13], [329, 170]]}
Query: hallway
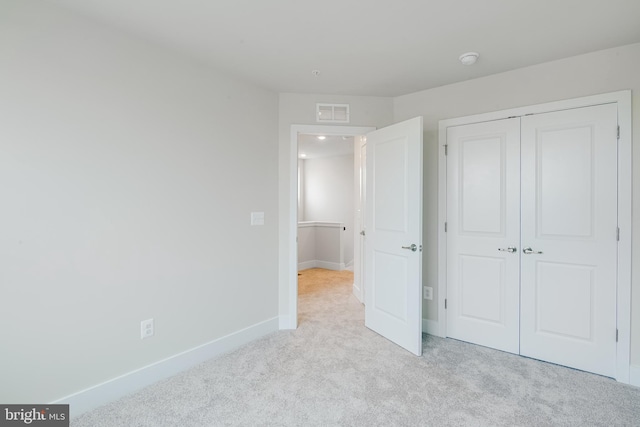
{"points": [[321, 291]]}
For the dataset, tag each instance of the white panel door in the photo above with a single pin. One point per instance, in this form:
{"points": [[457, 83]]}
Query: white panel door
{"points": [[569, 221], [393, 248], [483, 233]]}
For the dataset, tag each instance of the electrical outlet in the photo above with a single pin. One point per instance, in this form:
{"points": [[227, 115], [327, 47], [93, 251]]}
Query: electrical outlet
{"points": [[146, 329], [428, 292]]}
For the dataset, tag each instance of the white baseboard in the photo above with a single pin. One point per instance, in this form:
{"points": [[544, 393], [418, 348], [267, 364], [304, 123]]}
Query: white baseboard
{"points": [[430, 327], [128, 383], [285, 322], [306, 264], [358, 293], [634, 375], [330, 265], [321, 264]]}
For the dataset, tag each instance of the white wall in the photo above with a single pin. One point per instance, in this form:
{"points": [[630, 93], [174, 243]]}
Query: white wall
{"points": [[306, 246], [320, 245], [328, 195], [594, 73], [128, 176], [299, 109]]}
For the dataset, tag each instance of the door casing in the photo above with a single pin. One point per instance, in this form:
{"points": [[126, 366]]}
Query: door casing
{"points": [[291, 320], [359, 191], [623, 101]]}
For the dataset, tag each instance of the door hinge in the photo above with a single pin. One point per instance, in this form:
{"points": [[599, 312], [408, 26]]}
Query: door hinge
{"points": [[618, 234], [445, 227], [445, 303], [446, 149], [616, 335], [618, 132]]}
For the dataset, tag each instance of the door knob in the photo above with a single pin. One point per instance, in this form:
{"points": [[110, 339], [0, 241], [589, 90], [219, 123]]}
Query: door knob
{"points": [[413, 247], [530, 251], [510, 249], [362, 233]]}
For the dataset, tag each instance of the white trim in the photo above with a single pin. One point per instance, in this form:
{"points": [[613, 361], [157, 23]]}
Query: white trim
{"points": [[337, 266], [359, 169], [304, 265], [587, 101], [623, 100], [625, 200], [108, 391], [316, 263], [292, 273], [357, 292], [634, 375], [431, 327], [284, 322], [442, 235], [326, 224]]}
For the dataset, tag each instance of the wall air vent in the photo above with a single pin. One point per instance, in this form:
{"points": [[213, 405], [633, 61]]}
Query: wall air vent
{"points": [[332, 113]]}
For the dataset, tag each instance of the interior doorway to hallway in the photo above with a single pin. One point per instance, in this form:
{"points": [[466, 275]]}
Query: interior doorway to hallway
{"points": [[326, 202], [350, 136], [392, 212]]}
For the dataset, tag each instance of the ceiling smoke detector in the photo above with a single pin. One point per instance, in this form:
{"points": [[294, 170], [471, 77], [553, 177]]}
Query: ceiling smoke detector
{"points": [[469, 58]]}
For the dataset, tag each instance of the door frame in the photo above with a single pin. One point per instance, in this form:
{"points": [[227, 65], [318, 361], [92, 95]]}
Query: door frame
{"points": [[623, 297], [359, 190], [292, 319]]}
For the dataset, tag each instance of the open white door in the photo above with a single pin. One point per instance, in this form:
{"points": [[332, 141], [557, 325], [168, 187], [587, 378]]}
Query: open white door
{"points": [[393, 226]]}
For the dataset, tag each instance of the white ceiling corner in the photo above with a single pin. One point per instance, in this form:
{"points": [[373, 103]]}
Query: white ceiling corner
{"points": [[374, 48]]}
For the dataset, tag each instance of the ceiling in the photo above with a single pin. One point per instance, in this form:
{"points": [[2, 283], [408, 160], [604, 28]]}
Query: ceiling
{"points": [[314, 148], [370, 47]]}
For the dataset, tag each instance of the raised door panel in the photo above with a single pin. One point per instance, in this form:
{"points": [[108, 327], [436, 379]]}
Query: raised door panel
{"points": [[483, 201], [569, 199]]}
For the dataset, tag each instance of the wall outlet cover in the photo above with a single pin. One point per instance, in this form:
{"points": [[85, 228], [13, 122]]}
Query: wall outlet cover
{"points": [[146, 329]]}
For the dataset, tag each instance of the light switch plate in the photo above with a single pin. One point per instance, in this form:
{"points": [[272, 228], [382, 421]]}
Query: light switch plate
{"points": [[257, 218]]}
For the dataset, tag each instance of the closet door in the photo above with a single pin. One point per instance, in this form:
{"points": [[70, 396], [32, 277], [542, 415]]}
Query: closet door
{"points": [[569, 244], [483, 230]]}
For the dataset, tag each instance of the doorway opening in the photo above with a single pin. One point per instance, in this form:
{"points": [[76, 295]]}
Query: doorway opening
{"points": [[326, 208], [298, 133]]}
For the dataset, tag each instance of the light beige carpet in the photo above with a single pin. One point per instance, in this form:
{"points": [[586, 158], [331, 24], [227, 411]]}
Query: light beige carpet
{"points": [[322, 283], [332, 371]]}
